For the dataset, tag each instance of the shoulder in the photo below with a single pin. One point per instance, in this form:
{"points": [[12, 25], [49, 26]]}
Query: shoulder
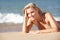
{"points": [[48, 15]]}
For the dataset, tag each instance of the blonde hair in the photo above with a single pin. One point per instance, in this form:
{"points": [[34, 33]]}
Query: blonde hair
{"points": [[33, 5], [28, 6]]}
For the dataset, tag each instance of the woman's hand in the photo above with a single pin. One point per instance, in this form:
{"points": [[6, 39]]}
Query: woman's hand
{"points": [[32, 19]]}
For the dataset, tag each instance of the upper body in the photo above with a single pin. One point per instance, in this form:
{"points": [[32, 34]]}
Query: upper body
{"points": [[44, 21]]}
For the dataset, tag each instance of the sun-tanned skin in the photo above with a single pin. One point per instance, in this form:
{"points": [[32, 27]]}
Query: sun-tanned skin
{"points": [[46, 26]]}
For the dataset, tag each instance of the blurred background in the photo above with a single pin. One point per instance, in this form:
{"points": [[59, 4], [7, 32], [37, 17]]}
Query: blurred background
{"points": [[11, 15]]}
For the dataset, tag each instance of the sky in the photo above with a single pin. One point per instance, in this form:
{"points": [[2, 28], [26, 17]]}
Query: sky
{"points": [[11, 10], [16, 6]]}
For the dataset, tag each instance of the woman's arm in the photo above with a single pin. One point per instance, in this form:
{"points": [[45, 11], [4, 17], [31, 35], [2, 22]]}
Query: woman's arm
{"points": [[24, 22], [27, 24], [53, 24]]}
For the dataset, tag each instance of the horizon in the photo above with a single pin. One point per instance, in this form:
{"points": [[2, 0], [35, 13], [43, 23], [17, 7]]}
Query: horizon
{"points": [[16, 6], [11, 10]]}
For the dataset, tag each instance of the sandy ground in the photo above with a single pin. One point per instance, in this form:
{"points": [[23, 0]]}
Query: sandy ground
{"points": [[13, 32], [23, 36]]}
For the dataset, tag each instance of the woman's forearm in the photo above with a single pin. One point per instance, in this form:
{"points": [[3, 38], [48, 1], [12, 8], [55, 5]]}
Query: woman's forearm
{"points": [[27, 24], [48, 31], [24, 25]]}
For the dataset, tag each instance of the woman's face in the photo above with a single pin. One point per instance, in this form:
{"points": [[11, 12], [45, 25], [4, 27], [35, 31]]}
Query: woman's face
{"points": [[31, 12]]}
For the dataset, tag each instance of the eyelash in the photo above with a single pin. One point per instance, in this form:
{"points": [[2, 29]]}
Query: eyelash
{"points": [[27, 14], [32, 11]]}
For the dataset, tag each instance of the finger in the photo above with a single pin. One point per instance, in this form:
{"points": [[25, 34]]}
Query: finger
{"points": [[32, 18], [25, 14]]}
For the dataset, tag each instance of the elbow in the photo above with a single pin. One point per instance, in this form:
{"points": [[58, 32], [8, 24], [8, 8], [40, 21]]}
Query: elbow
{"points": [[25, 31]]}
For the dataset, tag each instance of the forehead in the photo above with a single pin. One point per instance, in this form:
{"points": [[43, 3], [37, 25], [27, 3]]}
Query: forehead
{"points": [[30, 9]]}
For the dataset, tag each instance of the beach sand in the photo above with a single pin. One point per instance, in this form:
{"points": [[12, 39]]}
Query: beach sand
{"points": [[13, 32], [23, 36]]}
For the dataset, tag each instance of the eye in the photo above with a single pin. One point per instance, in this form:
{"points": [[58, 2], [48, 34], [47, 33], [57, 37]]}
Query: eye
{"points": [[27, 14], [32, 12]]}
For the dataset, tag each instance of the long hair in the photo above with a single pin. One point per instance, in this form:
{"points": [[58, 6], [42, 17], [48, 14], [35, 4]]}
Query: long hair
{"points": [[33, 5]]}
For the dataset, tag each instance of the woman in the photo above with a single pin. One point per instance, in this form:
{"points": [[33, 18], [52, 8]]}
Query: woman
{"points": [[44, 21]]}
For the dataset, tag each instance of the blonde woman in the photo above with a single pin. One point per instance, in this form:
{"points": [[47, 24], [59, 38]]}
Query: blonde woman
{"points": [[44, 21]]}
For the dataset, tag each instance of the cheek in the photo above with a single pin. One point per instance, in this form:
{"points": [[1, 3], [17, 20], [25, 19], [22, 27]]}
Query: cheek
{"points": [[29, 15], [37, 13], [33, 14]]}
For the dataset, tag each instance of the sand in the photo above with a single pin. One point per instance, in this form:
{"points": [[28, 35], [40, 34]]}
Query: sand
{"points": [[23, 36], [13, 32]]}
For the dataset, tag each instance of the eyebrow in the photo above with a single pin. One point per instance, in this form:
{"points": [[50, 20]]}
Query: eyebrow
{"points": [[32, 11]]}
